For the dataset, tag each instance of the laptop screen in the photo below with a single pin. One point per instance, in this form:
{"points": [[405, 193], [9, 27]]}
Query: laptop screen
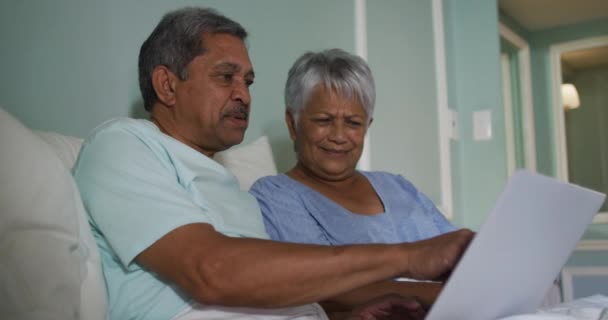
{"points": [[519, 250]]}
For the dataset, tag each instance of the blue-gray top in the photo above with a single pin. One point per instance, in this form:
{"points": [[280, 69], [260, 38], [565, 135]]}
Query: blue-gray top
{"points": [[294, 212]]}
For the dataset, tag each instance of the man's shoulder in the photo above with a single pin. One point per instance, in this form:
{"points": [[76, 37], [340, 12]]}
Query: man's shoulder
{"points": [[126, 126], [119, 141], [123, 134]]}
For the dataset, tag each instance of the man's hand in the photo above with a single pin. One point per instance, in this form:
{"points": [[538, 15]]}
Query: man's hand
{"points": [[389, 307], [435, 258]]}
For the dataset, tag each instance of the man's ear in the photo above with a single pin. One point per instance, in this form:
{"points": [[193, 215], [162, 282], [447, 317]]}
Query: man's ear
{"points": [[164, 81], [370, 122], [291, 124]]}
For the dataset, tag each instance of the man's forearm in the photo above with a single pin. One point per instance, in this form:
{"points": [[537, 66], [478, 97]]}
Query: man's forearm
{"points": [[271, 274], [261, 273], [215, 269]]}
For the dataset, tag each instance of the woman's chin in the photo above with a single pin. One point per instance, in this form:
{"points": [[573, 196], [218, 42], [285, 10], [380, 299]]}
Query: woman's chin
{"points": [[337, 174]]}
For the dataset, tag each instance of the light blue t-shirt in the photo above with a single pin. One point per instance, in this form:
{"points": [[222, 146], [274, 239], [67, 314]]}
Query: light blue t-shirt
{"points": [[294, 212], [137, 185]]}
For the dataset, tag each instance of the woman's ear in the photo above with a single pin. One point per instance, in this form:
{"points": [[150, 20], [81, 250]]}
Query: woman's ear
{"points": [[164, 81], [291, 124]]}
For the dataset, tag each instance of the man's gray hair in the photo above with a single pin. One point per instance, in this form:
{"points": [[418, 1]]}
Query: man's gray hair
{"points": [[335, 69], [176, 41]]}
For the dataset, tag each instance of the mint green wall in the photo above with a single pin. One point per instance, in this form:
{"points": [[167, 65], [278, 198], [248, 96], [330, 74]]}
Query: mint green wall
{"points": [[401, 55], [473, 65], [540, 42], [587, 131], [585, 286], [73, 65]]}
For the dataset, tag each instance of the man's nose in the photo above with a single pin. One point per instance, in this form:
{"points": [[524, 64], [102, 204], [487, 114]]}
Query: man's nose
{"points": [[240, 92]]}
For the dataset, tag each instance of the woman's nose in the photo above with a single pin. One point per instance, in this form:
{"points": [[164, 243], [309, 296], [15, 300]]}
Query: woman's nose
{"points": [[337, 132]]}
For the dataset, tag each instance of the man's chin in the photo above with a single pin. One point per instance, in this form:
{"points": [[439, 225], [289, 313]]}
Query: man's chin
{"points": [[233, 139]]}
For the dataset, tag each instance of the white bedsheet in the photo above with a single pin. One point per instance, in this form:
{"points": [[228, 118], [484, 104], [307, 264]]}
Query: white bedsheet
{"points": [[590, 308]]}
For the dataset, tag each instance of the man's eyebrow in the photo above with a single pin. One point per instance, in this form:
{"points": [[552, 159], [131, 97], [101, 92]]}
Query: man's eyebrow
{"points": [[232, 67], [227, 67]]}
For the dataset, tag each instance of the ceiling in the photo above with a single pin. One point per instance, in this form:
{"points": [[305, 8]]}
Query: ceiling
{"points": [[585, 58], [535, 15]]}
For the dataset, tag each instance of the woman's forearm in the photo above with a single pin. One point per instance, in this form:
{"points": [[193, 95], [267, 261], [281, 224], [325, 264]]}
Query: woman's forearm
{"points": [[425, 292]]}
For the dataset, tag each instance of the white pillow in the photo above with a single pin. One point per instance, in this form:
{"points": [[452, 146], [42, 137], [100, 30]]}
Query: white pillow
{"points": [[249, 162], [49, 262], [66, 147]]}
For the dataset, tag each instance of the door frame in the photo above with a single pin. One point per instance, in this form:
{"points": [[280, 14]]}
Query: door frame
{"points": [[559, 131], [507, 102], [361, 50], [525, 88]]}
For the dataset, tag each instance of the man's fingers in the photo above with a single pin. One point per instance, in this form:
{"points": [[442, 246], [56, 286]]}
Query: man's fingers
{"points": [[435, 258], [390, 306]]}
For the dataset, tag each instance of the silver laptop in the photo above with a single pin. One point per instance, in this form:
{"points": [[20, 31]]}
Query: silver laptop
{"points": [[519, 250]]}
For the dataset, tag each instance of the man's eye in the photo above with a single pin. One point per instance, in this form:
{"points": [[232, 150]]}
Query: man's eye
{"points": [[322, 120], [248, 82], [225, 79]]}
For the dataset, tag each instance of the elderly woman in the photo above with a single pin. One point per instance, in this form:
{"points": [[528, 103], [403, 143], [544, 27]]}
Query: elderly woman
{"points": [[324, 199]]}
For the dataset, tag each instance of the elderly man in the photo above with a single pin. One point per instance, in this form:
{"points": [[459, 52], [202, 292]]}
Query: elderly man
{"points": [[178, 239]]}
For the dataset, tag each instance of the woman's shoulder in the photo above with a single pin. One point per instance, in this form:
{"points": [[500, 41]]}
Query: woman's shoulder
{"points": [[273, 186], [388, 178], [272, 182], [379, 174]]}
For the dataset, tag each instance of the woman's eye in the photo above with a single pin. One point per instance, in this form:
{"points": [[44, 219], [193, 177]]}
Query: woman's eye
{"points": [[322, 120]]}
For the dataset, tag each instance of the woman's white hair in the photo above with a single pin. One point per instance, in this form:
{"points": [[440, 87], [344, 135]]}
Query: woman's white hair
{"points": [[347, 74]]}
